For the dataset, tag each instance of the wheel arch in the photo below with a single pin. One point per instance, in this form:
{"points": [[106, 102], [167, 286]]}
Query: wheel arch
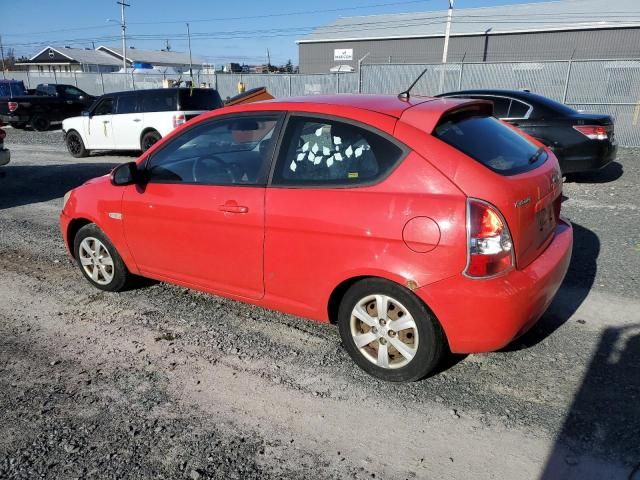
{"points": [[72, 230], [147, 130]]}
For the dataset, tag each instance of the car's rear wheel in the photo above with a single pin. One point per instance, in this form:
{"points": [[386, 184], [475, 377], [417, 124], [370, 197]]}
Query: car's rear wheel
{"points": [[40, 123], [99, 261], [75, 145], [148, 139], [389, 332]]}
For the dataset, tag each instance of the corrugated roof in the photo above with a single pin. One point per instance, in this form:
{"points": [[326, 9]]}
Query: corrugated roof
{"points": [[80, 55], [154, 56], [542, 16]]}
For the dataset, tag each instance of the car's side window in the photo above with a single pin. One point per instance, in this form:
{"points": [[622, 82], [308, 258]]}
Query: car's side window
{"points": [[500, 106], [127, 104], [159, 101], [319, 151], [230, 151], [72, 92], [105, 107], [518, 109]]}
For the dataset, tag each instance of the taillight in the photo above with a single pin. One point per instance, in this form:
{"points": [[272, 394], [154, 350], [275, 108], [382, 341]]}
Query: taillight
{"points": [[489, 240], [13, 106], [593, 132], [178, 119]]}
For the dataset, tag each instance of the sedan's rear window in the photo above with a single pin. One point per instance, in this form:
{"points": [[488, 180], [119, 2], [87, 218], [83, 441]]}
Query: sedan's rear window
{"points": [[490, 142]]}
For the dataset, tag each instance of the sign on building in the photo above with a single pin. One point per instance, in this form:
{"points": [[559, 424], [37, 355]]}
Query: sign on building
{"points": [[342, 54]]}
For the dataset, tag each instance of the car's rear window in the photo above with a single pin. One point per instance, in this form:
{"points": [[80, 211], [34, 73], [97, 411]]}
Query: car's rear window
{"points": [[490, 142], [199, 99]]}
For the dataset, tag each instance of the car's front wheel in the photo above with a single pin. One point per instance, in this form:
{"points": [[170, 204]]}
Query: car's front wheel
{"points": [[99, 261], [389, 332], [75, 145]]}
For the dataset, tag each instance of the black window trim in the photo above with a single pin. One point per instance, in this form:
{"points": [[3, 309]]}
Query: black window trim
{"points": [[333, 186], [280, 114]]}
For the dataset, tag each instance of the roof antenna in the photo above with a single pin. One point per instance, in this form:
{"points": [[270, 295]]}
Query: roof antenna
{"points": [[407, 93]]}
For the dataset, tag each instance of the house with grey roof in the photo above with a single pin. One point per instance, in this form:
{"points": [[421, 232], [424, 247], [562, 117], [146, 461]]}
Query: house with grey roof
{"points": [[104, 59], [556, 30], [67, 59]]}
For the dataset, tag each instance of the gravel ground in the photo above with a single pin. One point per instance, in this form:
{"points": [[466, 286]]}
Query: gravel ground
{"points": [[166, 382]]}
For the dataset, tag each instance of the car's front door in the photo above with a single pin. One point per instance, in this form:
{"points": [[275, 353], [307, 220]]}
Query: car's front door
{"points": [[99, 132], [198, 218]]}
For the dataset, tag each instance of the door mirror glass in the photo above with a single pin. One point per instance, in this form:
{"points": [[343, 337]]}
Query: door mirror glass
{"points": [[125, 174]]}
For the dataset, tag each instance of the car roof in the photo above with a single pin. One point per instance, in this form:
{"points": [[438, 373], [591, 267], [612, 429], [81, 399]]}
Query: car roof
{"points": [[390, 105]]}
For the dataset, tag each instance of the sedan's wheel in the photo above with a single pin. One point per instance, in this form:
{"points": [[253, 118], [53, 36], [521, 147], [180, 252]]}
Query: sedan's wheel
{"points": [[149, 139], [75, 145], [99, 260], [389, 332]]}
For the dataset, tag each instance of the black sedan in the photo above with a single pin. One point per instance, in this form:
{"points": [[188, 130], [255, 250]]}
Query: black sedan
{"points": [[582, 141]]}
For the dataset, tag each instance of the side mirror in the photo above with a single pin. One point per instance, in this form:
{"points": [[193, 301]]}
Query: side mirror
{"points": [[125, 174], [85, 113]]}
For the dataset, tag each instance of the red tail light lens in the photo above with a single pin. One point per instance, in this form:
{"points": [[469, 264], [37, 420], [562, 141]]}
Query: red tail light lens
{"points": [[179, 120], [489, 240], [13, 106], [593, 132]]}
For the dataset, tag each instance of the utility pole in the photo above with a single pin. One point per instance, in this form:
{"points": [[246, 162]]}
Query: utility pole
{"points": [[123, 24], [2, 55], [447, 32], [190, 59]]}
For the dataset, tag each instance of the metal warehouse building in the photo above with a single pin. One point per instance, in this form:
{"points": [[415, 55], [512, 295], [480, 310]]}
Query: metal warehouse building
{"points": [[560, 30]]}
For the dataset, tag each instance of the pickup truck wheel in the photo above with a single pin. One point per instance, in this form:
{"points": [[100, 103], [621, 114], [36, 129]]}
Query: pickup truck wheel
{"points": [[75, 145], [18, 125], [40, 123], [148, 139]]}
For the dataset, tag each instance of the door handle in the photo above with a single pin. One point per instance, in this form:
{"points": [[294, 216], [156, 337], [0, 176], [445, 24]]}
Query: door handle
{"points": [[105, 121], [233, 207], [137, 119]]}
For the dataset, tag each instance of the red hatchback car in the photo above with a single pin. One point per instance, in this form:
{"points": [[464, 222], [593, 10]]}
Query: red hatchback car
{"points": [[418, 225]]}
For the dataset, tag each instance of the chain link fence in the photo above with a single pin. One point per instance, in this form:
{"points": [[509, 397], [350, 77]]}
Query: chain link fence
{"points": [[603, 86]]}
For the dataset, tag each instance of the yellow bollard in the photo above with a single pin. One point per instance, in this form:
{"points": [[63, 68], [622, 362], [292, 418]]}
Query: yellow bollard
{"points": [[241, 87]]}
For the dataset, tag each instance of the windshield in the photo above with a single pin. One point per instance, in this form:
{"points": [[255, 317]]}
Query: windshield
{"points": [[492, 143]]}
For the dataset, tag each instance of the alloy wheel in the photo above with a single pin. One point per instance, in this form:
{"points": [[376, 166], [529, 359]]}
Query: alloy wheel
{"points": [[96, 260]]}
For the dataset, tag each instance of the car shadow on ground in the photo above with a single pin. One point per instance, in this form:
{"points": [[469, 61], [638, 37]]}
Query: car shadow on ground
{"points": [[25, 184], [600, 437], [610, 173], [573, 291]]}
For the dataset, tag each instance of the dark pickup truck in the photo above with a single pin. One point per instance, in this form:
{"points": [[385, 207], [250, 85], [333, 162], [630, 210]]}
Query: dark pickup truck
{"points": [[49, 103]]}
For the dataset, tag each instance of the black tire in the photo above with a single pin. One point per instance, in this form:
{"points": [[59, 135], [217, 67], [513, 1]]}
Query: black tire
{"points": [[430, 337], [40, 123], [18, 125], [148, 139], [75, 145], [121, 277]]}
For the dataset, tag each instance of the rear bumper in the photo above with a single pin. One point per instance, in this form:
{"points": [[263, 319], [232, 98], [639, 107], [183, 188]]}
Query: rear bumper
{"points": [[486, 315], [14, 118], [594, 155], [5, 156]]}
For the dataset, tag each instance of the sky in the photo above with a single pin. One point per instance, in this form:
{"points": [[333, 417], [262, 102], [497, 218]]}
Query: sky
{"points": [[221, 31]]}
